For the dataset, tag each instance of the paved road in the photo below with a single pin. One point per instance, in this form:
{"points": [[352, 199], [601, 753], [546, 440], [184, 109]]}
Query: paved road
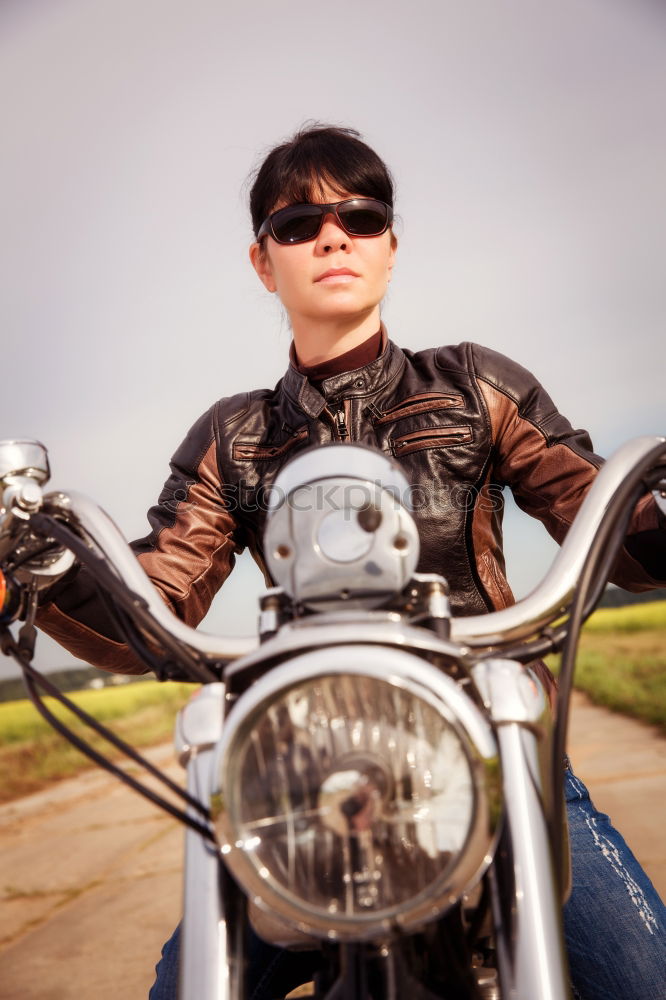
{"points": [[90, 873]]}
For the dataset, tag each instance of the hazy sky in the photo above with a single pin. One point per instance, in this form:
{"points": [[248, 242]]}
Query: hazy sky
{"points": [[529, 146]]}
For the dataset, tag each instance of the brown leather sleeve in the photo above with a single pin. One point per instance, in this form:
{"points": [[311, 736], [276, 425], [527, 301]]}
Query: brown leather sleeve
{"points": [[549, 465], [188, 554], [87, 644]]}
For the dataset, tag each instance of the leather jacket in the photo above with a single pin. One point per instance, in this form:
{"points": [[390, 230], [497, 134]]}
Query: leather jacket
{"points": [[463, 422]]}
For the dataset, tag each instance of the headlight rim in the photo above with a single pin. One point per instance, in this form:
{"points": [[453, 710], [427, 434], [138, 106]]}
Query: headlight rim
{"points": [[420, 679]]}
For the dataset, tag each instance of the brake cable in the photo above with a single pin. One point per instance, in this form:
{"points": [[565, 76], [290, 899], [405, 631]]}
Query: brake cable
{"points": [[35, 680], [594, 574], [135, 605]]}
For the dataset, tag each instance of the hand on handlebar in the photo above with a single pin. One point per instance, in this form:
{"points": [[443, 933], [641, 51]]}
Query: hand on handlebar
{"points": [[10, 598]]}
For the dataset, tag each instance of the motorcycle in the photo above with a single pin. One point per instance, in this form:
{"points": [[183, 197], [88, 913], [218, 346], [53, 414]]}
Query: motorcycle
{"points": [[373, 777]]}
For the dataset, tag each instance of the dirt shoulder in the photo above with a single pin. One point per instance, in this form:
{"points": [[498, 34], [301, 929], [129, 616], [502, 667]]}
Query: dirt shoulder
{"points": [[90, 878], [90, 873], [623, 763]]}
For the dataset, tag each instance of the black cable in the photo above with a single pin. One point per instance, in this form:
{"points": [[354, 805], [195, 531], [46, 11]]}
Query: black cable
{"points": [[107, 765], [49, 526], [135, 640], [111, 737], [527, 652], [596, 569], [33, 678], [598, 563]]}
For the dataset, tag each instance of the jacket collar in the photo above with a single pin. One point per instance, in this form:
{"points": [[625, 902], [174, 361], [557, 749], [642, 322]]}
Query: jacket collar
{"points": [[365, 381]]}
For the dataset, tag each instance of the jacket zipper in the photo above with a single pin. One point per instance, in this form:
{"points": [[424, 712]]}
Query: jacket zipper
{"points": [[345, 419], [339, 418], [342, 426]]}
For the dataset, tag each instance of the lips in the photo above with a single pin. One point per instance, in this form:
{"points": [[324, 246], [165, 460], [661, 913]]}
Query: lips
{"points": [[337, 274]]}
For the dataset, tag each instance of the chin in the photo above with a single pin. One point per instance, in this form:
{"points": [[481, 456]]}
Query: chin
{"points": [[342, 305]]}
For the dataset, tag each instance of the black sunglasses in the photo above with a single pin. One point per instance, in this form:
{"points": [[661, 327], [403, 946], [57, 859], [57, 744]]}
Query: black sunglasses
{"points": [[300, 223]]}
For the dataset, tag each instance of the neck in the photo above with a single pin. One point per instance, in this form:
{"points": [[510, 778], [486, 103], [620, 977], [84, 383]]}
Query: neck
{"points": [[317, 342]]}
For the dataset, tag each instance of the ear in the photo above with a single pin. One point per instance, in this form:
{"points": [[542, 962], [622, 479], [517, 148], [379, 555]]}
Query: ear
{"points": [[261, 263], [392, 253]]}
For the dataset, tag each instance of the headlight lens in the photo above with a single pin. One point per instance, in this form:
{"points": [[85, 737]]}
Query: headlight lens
{"points": [[354, 801]]}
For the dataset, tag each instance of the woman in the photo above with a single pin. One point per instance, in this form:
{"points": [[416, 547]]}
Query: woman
{"points": [[463, 421]]}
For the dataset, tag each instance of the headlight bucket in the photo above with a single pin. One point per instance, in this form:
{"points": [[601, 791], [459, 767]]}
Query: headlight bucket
{"points": [[357, 790]]}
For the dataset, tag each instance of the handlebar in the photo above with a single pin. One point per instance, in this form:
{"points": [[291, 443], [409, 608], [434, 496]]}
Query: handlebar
{"points": [[108, 537], [521, 621], [552, 596]]}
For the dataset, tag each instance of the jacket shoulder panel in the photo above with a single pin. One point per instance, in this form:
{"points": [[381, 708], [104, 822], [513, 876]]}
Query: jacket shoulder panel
{"points": [[245, 405], [511, 379], [209, 426], [454, 358], [197, 441], [532, 401]]}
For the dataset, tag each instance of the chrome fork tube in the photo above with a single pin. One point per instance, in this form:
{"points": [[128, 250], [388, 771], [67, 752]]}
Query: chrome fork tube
{"points": [[210, 969], [539, 963], [517, 703]]}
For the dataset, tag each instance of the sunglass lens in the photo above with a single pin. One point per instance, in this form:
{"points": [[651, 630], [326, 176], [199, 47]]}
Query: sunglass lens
{"points": [[359, 216], [297, 223], [364, 218]]}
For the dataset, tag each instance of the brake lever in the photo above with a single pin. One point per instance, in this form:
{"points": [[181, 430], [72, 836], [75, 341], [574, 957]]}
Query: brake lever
{"points": [[27, 636]]}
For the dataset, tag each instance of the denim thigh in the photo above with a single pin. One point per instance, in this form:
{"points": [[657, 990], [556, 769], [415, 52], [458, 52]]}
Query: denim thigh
{"points": [[614, 921], [272, 972]]}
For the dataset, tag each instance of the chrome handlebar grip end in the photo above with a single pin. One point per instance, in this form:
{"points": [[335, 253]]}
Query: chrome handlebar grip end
{"points": [[23, 460], [24, 469]]}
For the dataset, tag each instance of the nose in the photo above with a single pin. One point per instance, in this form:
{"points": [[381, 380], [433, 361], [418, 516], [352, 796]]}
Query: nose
{"points": [[332, 236]]}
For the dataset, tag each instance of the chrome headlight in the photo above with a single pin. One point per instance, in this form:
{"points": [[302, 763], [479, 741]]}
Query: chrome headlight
{"points": [[357, 790]]}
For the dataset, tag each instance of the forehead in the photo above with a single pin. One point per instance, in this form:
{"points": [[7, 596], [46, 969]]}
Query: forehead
{"points": [[327, 193], [319, 192]]}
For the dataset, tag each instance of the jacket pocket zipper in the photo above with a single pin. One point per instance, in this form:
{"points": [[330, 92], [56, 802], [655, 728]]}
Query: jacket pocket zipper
{"points": [[245, 451], [421, 402], [433, 437]]}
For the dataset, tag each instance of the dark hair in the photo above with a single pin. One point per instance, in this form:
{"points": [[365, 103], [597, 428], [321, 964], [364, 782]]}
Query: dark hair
{"points": [[318, 155]]}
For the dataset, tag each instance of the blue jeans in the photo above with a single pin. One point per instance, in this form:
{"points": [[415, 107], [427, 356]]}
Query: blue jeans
{"points": [[272, 972], [614, 923]]}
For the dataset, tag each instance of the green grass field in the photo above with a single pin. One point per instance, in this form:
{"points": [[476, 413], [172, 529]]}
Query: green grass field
{"points": [[622, 661], [633, 618], [621, 664], [32, 754]]}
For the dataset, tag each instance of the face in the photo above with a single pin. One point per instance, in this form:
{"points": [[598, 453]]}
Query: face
{"points": [[335, 277]]}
